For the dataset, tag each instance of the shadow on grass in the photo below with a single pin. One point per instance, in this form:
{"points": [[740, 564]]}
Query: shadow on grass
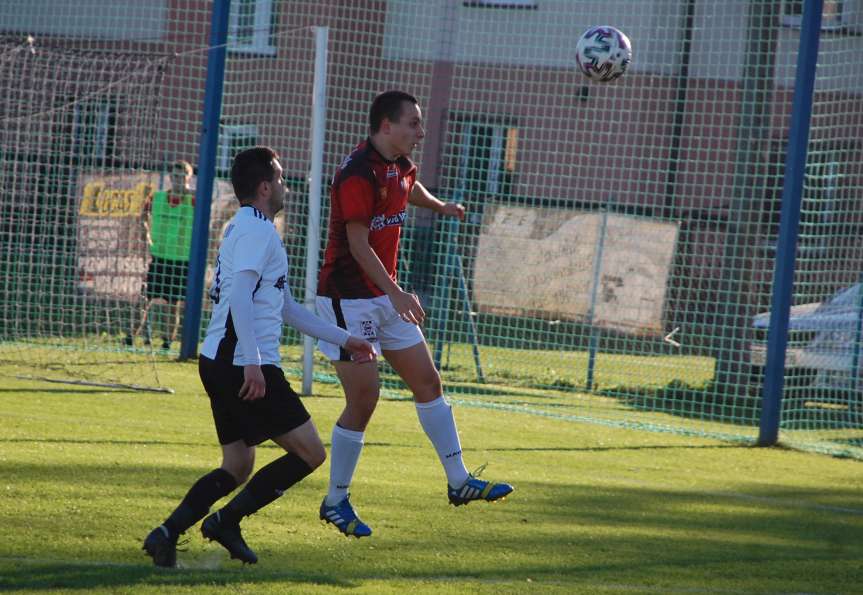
{"points": [[264, 445], [705, 403], [70, 391], [676, 398], [708, 403], [104, 441], [38, 576], [612, 535]]}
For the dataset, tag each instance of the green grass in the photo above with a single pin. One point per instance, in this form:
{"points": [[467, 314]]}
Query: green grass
{"points": [[568, 369], [85, 473], [657, 392]]}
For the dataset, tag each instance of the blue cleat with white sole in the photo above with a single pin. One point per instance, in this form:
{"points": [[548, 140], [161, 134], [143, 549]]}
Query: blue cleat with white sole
{"points": [[342, 515], [477, 489]]}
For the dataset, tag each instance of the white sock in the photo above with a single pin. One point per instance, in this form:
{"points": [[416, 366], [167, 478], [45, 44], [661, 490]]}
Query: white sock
{"points": [[344, 456], [437, 420]]}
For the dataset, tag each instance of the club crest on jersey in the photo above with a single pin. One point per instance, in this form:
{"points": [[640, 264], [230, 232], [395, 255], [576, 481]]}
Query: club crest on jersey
{"points": [[381, 221], [368, 330], [280, 282], [392, 173]]}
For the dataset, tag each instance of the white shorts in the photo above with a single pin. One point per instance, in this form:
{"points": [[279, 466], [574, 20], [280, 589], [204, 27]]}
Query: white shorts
{"points": [[373, 319]]}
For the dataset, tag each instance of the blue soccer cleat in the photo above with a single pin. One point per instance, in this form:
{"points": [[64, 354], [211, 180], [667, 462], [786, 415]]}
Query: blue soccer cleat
{"points": [[342, 515], [477, 489]]}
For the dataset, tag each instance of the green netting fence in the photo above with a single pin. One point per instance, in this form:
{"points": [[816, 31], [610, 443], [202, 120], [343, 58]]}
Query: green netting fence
{"points": [[615, 265]]}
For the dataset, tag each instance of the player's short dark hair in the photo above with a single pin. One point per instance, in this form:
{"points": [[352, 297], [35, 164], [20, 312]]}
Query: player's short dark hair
{"points": [[250, 168], [182, 164], [388, 105]]}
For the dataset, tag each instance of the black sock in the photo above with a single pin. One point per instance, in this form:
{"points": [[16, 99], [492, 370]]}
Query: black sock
{"points": [[266, 485], [216, 484]]}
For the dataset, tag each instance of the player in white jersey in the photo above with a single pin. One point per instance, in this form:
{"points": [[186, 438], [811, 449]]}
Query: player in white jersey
{"points": [[239, 366]]}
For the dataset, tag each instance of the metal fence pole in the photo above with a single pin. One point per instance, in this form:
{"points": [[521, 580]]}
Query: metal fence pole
{"points": [[206, 173], [786, 249]]}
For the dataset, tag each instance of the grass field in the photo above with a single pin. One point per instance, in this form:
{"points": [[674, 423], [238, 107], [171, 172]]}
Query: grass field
{"points": [[85, 473]]}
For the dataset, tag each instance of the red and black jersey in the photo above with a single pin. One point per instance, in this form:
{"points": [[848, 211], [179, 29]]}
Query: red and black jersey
{"points": [[373, 190]]}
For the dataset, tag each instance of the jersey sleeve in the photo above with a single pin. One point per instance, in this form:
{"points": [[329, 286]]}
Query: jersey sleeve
{"points": [[310, 324], [355, 197], [240, 304], [249, 254]]}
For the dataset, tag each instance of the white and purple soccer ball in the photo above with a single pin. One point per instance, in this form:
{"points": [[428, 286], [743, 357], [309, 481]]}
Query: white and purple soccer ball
{"points": [[603, 53]]}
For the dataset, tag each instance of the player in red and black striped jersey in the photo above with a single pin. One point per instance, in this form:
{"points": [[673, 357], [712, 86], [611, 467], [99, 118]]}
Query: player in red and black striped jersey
{"points": [[358, 290], [373, 190]]}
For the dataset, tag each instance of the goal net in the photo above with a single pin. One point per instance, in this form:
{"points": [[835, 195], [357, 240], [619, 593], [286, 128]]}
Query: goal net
{"points": [[78, 158]]}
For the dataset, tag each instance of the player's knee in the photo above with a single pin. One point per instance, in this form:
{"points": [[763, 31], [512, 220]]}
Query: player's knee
{"points": [[239, 474], [315, 457], [429, 388], [362, 403], [239, 469], [363, 412]]}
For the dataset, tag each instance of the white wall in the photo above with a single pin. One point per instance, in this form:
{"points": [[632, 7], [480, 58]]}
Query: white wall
{"points": [[543, 37], [101, 19], [546, 36]]}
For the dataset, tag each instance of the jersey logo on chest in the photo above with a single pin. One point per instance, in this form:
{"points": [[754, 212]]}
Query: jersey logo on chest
{"points": [[381, 221]]}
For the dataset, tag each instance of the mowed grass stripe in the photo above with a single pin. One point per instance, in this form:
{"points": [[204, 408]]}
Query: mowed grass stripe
{"points": [[86, 474]]}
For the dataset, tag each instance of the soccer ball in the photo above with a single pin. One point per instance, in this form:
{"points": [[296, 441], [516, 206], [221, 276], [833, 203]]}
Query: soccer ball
{"points": [[603, 53]]}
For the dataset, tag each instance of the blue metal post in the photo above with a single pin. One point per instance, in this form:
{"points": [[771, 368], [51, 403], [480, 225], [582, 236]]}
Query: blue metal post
{"points": [[206, 173], [786, 250]]}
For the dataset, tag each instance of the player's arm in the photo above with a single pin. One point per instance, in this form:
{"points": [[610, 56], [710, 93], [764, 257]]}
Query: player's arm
{"points": [[406, 304], [242, 315], [421, 197], [309, 324]]}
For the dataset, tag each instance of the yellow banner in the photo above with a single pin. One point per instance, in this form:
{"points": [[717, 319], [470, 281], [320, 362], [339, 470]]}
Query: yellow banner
{"points": [[115, 196]]}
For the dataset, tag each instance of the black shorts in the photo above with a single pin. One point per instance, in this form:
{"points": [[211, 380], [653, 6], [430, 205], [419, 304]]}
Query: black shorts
{"points": [[166, 279], [278, 411]]}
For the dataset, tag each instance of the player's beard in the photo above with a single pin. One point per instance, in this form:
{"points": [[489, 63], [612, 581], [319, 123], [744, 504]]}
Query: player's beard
{"points": [[277, 202]]}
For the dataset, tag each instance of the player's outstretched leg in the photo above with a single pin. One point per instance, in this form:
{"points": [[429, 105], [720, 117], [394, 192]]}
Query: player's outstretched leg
{"points": [[343, 516], [437, 420]]}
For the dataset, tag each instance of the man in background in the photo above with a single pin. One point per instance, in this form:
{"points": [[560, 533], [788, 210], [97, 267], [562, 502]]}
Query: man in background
{"points": [[168, 217]]}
